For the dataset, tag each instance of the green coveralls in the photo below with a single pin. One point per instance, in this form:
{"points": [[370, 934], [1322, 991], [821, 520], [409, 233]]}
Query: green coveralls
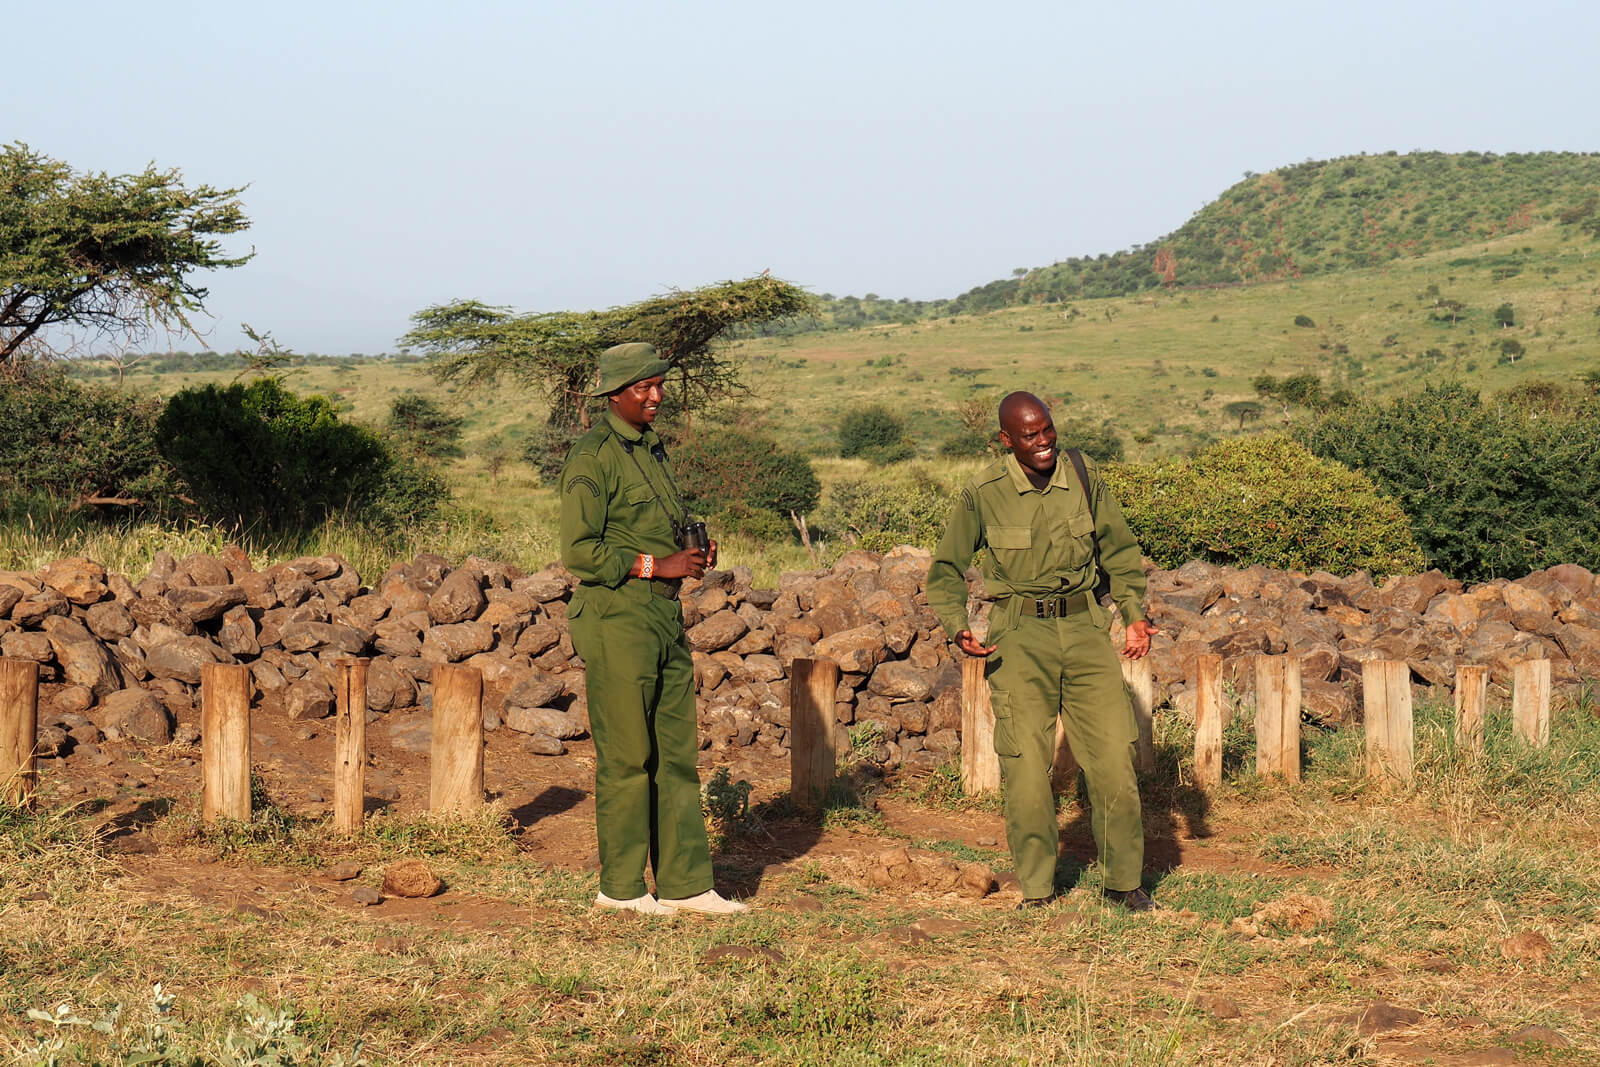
{"points": [[616, 494], [1041, 545]]}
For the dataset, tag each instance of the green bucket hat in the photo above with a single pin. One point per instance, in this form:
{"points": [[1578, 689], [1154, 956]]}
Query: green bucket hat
{"points": [[622, 365]]}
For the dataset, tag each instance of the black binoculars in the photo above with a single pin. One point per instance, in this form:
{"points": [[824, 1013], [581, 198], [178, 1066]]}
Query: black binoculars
{"points": [[695, 536]]}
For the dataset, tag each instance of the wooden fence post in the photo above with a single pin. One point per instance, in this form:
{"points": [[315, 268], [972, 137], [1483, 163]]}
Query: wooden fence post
{"points": [[812, 685], [350, 745], [225, 741], [1208, 720], [457, 757], [1386, 703], [1472, 695], [1278, 716], [1530, 701], [1141, 693], [980, 767], [19, 730]]}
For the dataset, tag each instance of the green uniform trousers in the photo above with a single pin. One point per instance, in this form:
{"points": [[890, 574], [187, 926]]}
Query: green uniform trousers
{"points": [[640, 683], [1041, 666]]}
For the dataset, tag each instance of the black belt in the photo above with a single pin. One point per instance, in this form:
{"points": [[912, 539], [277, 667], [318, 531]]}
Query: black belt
{"points": [[667, 587], [1055, 607]]}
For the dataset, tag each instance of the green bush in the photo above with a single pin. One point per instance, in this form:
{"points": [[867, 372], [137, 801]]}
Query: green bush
{"points": [[720, 468], [1305, 322], [260, 455], [868, 430], [424, 427], [966, 443], [75, 441], [1492, 489], [1097, 440], [1263, 500], [908, 505], [898, 452]]}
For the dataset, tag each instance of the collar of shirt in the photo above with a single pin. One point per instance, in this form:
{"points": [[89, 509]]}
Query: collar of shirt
{"points": [[1020, 482], [628, 433]]}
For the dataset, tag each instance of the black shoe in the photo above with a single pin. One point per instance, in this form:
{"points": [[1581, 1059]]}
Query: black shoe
{"points": [[1036, 902], [1132, 899]]}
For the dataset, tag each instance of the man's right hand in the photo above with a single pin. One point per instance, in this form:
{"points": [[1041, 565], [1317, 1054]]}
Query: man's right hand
{"points": [[684, 563], [970, 645]]}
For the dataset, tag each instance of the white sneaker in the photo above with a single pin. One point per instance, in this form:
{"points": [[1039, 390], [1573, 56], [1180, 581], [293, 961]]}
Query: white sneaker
{"points": [[645, 905], [708, 903]]}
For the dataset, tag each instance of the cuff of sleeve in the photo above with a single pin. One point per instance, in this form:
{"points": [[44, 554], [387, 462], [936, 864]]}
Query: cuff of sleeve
{"points": [[1132, 614]]}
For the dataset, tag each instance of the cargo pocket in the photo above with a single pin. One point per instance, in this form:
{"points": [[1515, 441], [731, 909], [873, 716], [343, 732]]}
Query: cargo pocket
{"points": [[1005, 728]]}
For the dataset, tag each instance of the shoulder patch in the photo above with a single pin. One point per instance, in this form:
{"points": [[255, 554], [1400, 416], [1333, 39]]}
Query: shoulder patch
{"points": [[967, 501], [586, 482]]}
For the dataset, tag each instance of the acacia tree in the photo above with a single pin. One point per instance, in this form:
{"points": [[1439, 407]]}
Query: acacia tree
{"points": [[556, 352], [108, 254]]}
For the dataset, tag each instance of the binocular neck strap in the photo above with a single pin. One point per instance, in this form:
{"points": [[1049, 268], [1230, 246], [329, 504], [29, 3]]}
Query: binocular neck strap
{"points": [[660, 456]]}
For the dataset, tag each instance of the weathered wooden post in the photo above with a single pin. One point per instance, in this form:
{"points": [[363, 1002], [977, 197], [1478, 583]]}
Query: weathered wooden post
{"points": [[350, 745], [225, 741], [1278, 716], [1386, 704], [1208, 720], [1141, 693], [812, 685], [457, 755], [19, 730], [980, 767], [1472, 696], [1530, 701]]}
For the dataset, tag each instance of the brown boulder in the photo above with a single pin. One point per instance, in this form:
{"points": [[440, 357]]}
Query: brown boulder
{"points": [[80, 580], [1521, 598], [899, 680], [387, 688], [536, 689], [458, 599], [455, 642], [90, 664], [855, 651], [137, 714], [717, 632], [550, 722], [205, 603], [181, 658], [307, 636], [308, 698]]}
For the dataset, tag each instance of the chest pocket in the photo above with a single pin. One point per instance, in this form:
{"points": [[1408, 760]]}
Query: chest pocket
{"points": [[638, 496], [1009, 538], [1081, 527]]}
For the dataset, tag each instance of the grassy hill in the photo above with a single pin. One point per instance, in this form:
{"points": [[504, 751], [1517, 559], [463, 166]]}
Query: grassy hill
{"points": [[1315, 217]]}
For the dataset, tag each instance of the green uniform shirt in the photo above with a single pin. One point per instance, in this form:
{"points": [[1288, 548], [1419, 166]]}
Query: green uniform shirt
{"points": [[617, 493], [1039, 542]]}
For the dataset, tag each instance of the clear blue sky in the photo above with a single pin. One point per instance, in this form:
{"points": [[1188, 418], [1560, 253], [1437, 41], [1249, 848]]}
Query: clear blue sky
{"points": [[566, 156]]}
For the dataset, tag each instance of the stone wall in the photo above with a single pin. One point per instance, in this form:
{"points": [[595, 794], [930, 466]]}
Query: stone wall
{"points": [[123, 660]]}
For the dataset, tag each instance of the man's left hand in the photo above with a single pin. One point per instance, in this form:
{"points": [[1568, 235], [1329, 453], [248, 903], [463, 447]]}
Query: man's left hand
{"points": [[1136, 641]]}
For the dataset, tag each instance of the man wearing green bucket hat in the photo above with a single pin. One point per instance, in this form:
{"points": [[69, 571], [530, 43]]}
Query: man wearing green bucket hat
{"points": [[626, 534]]}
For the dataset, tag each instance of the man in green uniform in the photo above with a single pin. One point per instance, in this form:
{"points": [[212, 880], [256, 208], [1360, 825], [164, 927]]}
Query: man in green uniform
{"points": [[1049, 647], [623, 528]]}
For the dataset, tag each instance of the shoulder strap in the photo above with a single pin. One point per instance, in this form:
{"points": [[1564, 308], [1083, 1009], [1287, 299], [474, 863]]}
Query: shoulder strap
{"points": [[1102, 579], [1083, 479]]}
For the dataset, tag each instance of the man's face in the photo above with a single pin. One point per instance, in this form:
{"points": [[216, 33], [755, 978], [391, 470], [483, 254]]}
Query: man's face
{"points": [[1031, 436], [638, 403]]}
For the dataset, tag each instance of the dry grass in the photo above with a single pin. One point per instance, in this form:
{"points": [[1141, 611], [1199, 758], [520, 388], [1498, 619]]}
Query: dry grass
{"points": [[1296, 906]]}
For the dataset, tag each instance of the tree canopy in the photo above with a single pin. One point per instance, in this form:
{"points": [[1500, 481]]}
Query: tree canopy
{"points": [[557, 352], [108, 254]]}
